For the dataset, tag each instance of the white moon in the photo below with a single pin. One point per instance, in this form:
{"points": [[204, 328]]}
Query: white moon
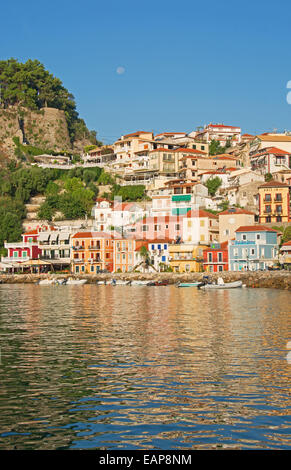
{"points": [[120, 70]]}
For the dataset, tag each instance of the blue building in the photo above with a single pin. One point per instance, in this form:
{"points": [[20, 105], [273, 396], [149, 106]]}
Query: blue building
{"points": [[254, 247]]}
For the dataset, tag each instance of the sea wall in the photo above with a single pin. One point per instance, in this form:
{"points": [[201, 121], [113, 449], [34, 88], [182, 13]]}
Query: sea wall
{"points": [[267, 279]]}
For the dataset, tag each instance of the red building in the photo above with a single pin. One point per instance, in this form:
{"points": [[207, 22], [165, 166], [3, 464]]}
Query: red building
{"points": [[215, 258], [23, 251]]}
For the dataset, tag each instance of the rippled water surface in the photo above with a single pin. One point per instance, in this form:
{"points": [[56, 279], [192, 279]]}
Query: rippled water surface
{"points": [[102, 367]]}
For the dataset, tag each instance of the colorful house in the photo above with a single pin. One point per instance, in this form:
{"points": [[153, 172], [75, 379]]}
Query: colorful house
{"points": [[254, 248], [285, 254], [23, 251], [274, 202], [149, 228], [215, 257], [91, 252], [126, 254], [186, 257], [231, 219], [159, 253], [200, 226]]}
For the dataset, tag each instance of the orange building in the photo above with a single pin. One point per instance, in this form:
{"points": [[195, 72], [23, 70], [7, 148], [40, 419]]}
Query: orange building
{"points": [[274, 202], [91, 252], [126, 254]]}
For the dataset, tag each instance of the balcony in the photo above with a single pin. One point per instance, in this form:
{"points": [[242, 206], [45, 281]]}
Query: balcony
{"points": [[94, 247], [11, 259], [77, 248]]}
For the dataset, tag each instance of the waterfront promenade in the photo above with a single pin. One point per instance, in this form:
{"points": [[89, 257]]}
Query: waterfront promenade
{"points": [[266, 279]]}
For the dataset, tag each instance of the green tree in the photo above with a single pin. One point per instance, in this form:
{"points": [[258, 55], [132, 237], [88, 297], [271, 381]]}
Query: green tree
{"points": [[213, 184], [215, 148]]}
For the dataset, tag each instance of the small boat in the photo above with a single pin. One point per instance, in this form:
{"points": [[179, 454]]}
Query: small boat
{"points": [[188, 284], [75, 282], [224, 285], [139, 283], [119, 283], [158, 283], [46, 282]]}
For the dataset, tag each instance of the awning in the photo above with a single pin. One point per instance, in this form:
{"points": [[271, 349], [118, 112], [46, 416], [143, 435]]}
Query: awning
{"points": [[64, 236], [35, 262], [54, 236], [43, 236]]}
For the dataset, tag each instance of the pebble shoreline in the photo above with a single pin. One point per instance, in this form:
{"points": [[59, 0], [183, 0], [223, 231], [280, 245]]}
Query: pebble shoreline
{"points": [[266, 279]]}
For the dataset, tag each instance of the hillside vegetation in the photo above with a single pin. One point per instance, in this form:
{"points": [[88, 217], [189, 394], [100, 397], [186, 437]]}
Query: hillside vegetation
{"points": [[37, 108]]}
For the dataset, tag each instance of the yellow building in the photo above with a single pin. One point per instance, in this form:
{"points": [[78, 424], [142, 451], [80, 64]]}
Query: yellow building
{"points": [[186, 258], [274, 202]]}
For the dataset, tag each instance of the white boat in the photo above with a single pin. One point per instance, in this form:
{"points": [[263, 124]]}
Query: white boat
{"points": [[139, 283], [46, 282], [119, 283], [223, 285], [75, 281]]}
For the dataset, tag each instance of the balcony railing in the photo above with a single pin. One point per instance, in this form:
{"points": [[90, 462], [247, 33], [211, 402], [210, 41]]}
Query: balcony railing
{"points": [[11, 259]]}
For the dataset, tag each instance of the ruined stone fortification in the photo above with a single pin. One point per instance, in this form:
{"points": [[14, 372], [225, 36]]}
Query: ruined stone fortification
{"points": [[46, 129], [257, 279]]}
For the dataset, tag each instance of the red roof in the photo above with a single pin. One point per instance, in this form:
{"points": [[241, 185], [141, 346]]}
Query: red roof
{"points": [[93, 235], [255, 228], [236, 210], [222, 125], [273, 150], [201, 213], [133, 134], [31, 232], [274, 184], [186, 150]]}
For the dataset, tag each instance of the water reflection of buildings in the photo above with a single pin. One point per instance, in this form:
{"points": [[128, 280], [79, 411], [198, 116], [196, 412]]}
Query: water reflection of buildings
{"points": [[178, 359]]}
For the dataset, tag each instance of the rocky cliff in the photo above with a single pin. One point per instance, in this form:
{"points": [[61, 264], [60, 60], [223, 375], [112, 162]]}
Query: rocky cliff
{"points": [[46, 129]]}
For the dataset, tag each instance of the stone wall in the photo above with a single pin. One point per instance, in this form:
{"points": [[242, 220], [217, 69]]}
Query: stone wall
{"points": [[266, 279]]}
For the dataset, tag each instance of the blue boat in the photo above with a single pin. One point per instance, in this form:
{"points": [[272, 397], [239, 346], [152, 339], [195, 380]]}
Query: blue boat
{"points": [[188, 284]]}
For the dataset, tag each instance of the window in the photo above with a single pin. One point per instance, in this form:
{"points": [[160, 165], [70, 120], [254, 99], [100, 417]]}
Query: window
{"points": [[83, 269], [202, 238], [279, 209], [24, 254], [220, 268], [15, 254], [278, 218], [145, 228], [268, 209], [219, 256], [209, 257], [278, 197], [202, 147], [163, 259], [153, 247], [258, 236], [244, 237], [157, 228], [194, 147], [92, 269], [252, 251], [177, 226], [159, 247], [202, 223], [268, 197], [165, 247], [268, 219]]}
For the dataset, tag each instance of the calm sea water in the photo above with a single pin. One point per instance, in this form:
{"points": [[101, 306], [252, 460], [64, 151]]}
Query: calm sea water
{"points": [[102, 367]]}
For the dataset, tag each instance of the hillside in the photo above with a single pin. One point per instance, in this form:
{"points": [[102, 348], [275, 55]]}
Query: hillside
{"points": [[37, 110]]}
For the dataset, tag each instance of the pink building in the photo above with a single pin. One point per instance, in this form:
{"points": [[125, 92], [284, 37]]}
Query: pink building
{"points": [[160, 227]]}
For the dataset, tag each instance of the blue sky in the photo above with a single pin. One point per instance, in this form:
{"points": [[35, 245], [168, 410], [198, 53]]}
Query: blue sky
{"points": [[185, 63]]}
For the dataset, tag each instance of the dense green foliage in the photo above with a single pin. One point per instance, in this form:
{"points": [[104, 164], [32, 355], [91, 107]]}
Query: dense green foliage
{"points": [[213, 184], [30, 85], [216, 149]]}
